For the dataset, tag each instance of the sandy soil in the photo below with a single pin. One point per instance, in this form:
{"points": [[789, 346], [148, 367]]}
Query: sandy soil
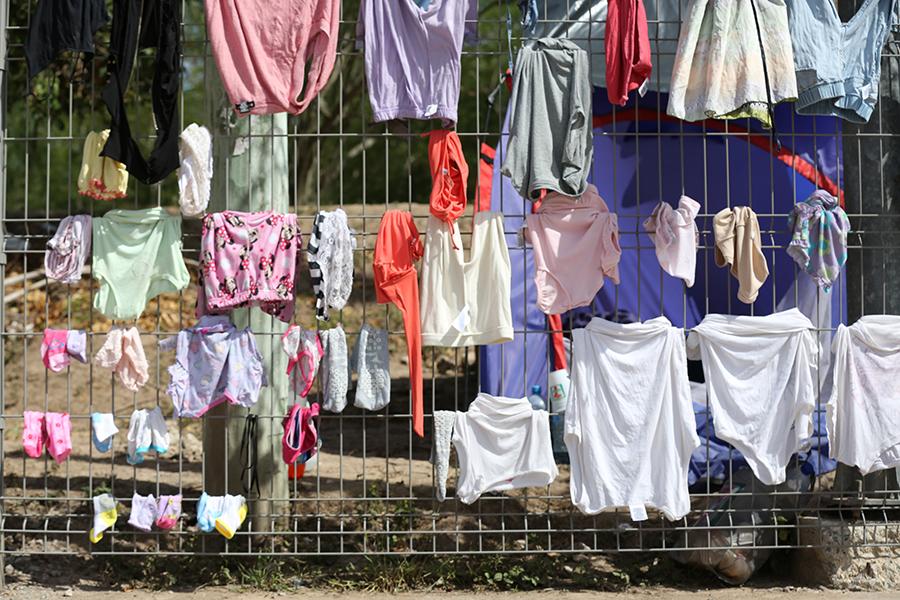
{"points": [[40, 593]]}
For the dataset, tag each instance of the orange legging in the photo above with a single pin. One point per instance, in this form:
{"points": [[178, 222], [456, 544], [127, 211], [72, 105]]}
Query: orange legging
{"points": [[397, 248]]}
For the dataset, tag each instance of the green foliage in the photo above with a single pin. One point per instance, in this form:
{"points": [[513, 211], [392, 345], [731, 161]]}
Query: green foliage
{"points": [[337, 153]]}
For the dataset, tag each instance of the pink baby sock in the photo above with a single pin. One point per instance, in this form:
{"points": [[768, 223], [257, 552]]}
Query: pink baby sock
{"points": [[33, 433], [53, 349]]}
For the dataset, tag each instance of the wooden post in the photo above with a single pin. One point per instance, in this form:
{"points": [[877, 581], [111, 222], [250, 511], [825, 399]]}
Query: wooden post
{"points": [[250, 174]]}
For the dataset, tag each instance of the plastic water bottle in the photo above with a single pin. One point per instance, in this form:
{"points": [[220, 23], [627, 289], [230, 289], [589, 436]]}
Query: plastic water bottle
{"points": [[559, 396], [537, 403]]}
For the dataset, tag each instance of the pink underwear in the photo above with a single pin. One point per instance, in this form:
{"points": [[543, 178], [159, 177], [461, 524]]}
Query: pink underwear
{"points": [[300, 433]]}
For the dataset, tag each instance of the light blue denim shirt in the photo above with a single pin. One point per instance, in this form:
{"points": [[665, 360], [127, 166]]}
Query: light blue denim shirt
{"points": [[838, 64]]}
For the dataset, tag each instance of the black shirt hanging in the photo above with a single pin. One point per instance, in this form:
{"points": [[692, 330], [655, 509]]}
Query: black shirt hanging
{"points": [[137, 25], [59, 26]]}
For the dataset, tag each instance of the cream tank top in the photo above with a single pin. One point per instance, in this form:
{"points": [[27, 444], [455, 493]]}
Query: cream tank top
{"points": [[466, 303]]}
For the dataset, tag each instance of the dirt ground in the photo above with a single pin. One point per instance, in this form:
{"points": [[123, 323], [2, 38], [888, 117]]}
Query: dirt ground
{"points": [[42, 593]]}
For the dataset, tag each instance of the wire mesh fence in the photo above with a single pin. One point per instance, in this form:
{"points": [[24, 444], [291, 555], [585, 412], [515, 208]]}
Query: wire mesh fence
{"points": [[371, 488]]}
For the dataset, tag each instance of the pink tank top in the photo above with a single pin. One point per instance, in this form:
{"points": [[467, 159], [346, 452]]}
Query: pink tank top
{"points": [[273, 56], [412, 57]]}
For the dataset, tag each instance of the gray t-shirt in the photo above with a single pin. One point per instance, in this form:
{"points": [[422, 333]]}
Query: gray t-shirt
{"points": [[550, 134]]}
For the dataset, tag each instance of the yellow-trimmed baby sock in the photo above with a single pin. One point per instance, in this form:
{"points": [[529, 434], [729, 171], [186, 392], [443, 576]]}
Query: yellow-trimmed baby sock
{"points": [[104, 516], [234, 511]]}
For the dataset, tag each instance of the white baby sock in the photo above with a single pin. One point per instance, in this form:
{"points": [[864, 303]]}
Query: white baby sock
{"points": [[104, 516], [234, 511]]}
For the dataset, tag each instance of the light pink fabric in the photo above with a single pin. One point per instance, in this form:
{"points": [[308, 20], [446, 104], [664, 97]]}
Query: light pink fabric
{"points": [[273, 56], [576, 245], [123, 352], [674, 234]]}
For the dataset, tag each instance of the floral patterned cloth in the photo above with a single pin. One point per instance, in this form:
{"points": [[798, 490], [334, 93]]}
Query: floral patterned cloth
{"points": [[819, 243]]}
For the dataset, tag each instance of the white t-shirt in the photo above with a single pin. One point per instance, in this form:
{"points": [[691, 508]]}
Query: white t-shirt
{"points": [[629, 421], [502, 444], [761, 382], [864, 409]]}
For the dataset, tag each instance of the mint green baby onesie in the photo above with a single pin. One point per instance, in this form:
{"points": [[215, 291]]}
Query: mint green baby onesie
{"points": [[137, 256]]}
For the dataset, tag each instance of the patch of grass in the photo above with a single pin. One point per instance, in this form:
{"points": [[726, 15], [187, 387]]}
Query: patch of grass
{"points": [[364, 573]]}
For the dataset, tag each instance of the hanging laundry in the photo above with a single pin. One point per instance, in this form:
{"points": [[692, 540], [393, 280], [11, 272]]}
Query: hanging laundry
{"points": [[137, 257], [397, 248], [627, 47], [761, 383], [863, 413], [675, 236], [105, 516], [449, 176], [550, 134], [529, 11], [273, 59], [739, 247], [143, 512], [103, 428], [101, 178], [502, 444], [629, 421], [838, 64], [444, 420], [53, 350], [304, 351], [576, 245], [147, 511], [168, 511], [249, 259], [300, 434], [335, 369], [56, 27], [123, 352], [195, 152], [58, 345], [224, 514], [819, 243], [412, 57], [372, 362], [727, 67], [76, 345], [329, 253], [463, 303], [146, 431], [142, 24], [466, 303], [214, 363], [68, 249], [52, 429]]}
